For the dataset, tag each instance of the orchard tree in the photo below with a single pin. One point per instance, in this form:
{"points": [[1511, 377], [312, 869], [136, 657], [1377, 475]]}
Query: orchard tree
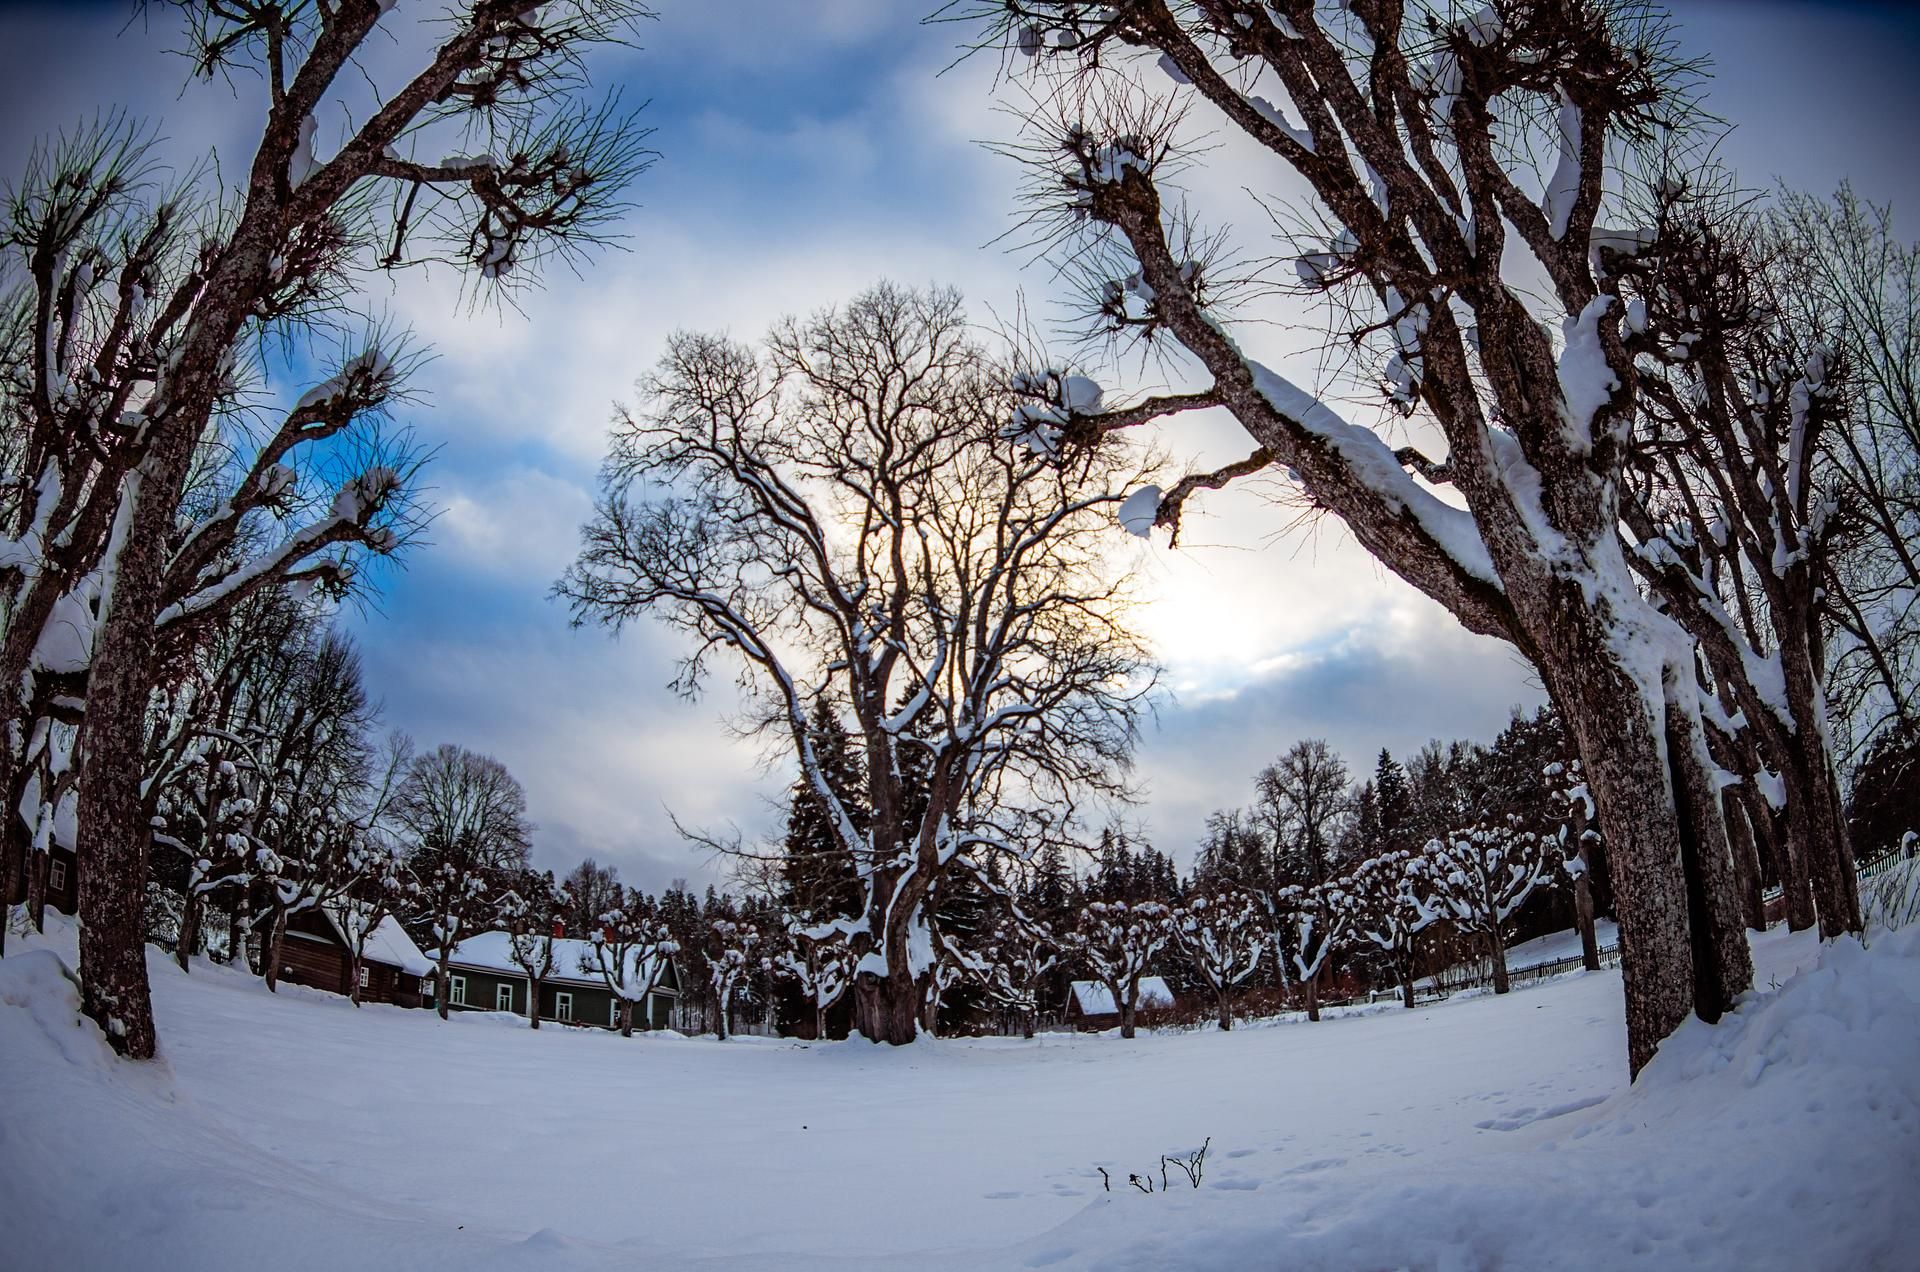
{"points": [[1388, 915], [1493, 299], [834, 512], [127, 339], [631, 950], [733, 955], [1309, 925], [1118, 944], [1019, 954], [381, 888], [1223, 935], [530, 913], [465, 818], [1477, 879], [822, 968]]}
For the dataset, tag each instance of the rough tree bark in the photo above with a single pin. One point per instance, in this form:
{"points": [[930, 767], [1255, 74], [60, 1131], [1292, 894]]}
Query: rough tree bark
{"points": [[1537, 457]]}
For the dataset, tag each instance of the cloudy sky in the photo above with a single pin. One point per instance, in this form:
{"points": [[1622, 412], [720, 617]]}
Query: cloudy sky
{"points": [[808, 148]]}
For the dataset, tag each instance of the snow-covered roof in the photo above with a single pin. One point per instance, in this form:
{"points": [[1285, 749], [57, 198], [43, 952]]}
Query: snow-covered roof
{"points": [[1095, 999], [493, 952], [387, 943]]}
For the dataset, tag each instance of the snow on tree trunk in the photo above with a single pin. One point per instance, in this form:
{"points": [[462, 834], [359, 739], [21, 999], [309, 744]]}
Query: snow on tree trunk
{"points": [[276, 938]]}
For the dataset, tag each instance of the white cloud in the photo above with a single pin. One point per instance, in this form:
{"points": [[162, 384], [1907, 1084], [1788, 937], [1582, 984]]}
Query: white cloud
{"points": [[521, 523]]}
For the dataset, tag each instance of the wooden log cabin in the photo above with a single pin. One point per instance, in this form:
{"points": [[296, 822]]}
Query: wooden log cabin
{"points": [[316, 953], [1090, 1004]]}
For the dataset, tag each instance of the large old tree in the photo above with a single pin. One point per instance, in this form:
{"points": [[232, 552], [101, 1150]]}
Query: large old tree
{"points": [[133, 314], [1452, 178], [835, 514]]}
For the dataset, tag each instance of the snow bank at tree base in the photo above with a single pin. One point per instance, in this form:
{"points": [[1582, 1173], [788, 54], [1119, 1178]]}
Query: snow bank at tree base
{"points": [[293, 1132]]}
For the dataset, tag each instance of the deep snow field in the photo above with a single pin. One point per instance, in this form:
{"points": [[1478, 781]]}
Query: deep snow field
{"points": [[292, 1131]]}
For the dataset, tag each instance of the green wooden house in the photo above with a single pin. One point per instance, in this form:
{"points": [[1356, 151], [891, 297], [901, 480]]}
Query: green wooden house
{"points": [[482, 976]]}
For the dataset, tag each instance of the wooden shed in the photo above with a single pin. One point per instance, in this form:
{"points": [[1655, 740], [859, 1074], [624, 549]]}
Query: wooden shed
{"points": [[1090, 1004], [316, 953]]}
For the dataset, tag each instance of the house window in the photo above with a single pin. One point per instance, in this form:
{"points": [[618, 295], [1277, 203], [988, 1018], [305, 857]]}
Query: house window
{"points": [[363, 975], [613, 1013], [426, 987], [563, 1007], [458, 998], [57, 876], [503, 998]]}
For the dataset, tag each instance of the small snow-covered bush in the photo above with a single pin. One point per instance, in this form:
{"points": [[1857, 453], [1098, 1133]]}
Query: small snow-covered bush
{"points": [[1891, 900]]}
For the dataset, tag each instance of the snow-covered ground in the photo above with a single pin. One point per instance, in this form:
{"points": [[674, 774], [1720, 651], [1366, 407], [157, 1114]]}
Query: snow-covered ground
{"points": [[1555, 946], [295, 1132]]}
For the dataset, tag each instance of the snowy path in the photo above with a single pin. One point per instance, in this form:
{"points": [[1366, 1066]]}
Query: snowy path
{"points": [[296, 1132]]}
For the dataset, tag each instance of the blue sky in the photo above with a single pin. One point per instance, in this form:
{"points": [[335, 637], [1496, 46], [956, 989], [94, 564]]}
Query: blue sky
{"points": [[807, 149]]}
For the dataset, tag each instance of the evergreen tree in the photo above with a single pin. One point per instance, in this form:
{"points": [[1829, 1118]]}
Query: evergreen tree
{"points": [[819, 878]]}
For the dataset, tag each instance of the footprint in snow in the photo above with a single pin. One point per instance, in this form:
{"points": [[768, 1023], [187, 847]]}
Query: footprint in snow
{"points": [[1237, 1185], [1004, 1196]]}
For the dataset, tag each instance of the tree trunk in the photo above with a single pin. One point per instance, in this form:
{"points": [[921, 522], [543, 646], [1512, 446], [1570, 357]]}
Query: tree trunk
{"points": [[353, 977], [1583, 919], [1127, 1011], [191, 907], [443, 983], [1406, 986], [533, 1002], [37, 865], [1497, 954], [1226, 1011], [886, 1009], [626, 1019], [13, 862], [1746, 862], [238, 926], [1657, 869], [275, 936], [1723, 963], [1312, 985]]}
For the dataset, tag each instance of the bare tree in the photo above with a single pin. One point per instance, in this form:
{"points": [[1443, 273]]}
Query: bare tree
{"points": [[177, 299], [835, 514], [1845, 276], [1405, 129], [466, 821], [592, 889], [1223, 935], [1305, 801]]}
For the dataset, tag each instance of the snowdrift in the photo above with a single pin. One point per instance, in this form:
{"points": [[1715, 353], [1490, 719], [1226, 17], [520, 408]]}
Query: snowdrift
{"points": [[294, 1132]]}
